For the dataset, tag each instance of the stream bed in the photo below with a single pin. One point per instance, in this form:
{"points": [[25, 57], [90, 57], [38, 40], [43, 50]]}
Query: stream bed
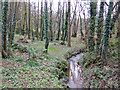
{"points": [[75, 80]]}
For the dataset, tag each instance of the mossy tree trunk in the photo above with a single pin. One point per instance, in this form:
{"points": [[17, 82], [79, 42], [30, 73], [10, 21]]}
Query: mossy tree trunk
{"points": [[23, 21], [118, 28], [29, 16], [106, 34], [91, 41], [41, 23], [66, 26], [10, 23], [118, 36], [51, 32], [37, 22], [4, 29], [13, 24], [99, 27], [62, 23], [46, 28], [1, 27], [26, 18]]}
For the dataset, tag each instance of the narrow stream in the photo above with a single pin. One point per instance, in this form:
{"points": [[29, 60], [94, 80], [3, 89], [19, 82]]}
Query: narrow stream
{"points": [[75, 71]]}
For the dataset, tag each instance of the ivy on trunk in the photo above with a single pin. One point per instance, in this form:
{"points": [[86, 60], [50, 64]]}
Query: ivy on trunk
{"points": [[91, 41], [4, 29], [46, 28], [106, 34]]}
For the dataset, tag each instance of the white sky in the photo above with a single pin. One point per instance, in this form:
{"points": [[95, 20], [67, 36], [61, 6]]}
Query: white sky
{"points": [[73, 3], [55, 4]]}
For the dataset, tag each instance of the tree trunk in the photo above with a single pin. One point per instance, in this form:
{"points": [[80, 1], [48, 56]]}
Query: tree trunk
{"points": [[51, 32], [100, 27], [115, 17], [69, 26], [10, 23], [62, 23], [26, 18], [106, 34], [0, 28], [13, 24], [74, 31], [29, 21], [59, 21], [91, 41], [42, 22], [37, 22], [82, 35], [4, 30], [66, 26], [46, 28]]}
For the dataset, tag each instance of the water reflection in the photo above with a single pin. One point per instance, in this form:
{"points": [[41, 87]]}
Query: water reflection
{"points": [[75, 72]]}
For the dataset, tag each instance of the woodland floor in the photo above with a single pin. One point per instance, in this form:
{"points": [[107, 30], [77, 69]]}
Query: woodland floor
{"points": [[44, 70], [40, 70]]}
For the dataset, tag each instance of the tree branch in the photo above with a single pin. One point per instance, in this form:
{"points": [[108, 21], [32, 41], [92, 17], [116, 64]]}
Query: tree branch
{"points": [[106, 3]]}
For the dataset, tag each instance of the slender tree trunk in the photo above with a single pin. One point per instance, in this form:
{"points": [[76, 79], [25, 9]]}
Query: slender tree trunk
{"points": [[85, 26], [51, 32], [10, 23], [29, 21], [13, 24], [118, 36], [82, 35], [77, 23], [33, 22], [66, 26], [24, 22], [115, 17], [0, 28], [59, 21], [69, 27], [100, 27], [26, 18], [4, 28], [118, 28], [37, 22], [32, 27], [42, 22], [59, 31], [62, 22], [74, 30], [46, 27], [86, 30]]}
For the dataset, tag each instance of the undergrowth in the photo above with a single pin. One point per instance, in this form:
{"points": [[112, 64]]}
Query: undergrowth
{"points": [[99, 73], [28, 68]]}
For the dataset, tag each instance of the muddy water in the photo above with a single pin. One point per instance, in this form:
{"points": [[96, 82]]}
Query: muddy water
{"points": [[75, 71]]}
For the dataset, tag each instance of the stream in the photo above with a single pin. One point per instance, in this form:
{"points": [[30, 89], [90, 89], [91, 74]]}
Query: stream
{"points": [[75, 71]]}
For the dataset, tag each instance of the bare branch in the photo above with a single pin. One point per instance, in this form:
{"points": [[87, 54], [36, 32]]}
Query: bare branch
{"points": [[106, 3], [115, 5]]}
